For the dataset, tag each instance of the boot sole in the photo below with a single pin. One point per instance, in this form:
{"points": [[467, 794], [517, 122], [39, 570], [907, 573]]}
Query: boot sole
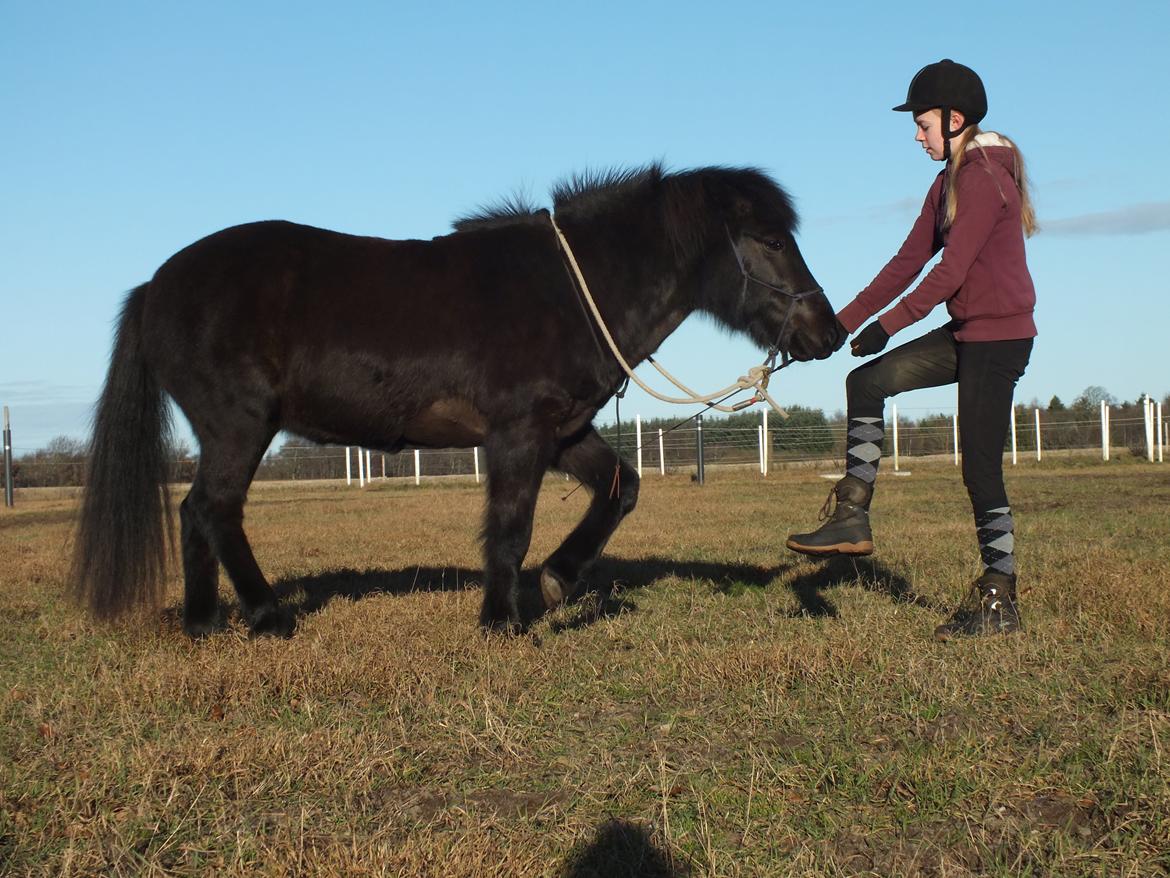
{"points": [[863, 548]]}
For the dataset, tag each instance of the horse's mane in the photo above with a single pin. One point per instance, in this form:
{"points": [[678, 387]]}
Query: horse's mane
{"points": [[515, 208], [590, 190], [690, 199]]}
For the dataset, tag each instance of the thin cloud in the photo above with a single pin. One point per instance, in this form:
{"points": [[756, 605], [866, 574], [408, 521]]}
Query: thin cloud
{"points": [[44, 393], [901, 209], [1137, 219]]}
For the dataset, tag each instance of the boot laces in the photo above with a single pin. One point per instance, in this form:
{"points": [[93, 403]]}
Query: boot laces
{"points": [[828, 509], [992, 593]]}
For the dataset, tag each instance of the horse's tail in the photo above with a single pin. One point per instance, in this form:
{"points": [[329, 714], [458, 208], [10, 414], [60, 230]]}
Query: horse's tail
{"points": [[119, 559]]}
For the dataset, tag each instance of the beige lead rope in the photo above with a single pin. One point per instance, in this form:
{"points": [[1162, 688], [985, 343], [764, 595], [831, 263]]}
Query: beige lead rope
{"points": [[756, 378]]}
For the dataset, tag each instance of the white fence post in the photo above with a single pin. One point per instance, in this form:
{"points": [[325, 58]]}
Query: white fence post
{"points": [[1108, 438], [1148, 412], [475, 454], [661, 456], [1104, 434], [1161, 430], [638, 439], [383, 467], [369, 468], [348, 471], [895, 437], [417, 467], [1109, 427], [1014, 454], [767, 442], [1038, 434], [361, 468], [955, 424]]}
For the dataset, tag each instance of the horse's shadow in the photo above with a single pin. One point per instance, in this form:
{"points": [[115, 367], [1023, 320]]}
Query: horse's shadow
{"points": [[310, 594], [613, 580]]}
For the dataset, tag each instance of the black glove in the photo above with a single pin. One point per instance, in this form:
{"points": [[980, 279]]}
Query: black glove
{"points": [[870, 340]]}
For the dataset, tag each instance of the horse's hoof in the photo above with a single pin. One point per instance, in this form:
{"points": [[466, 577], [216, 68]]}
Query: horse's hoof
{"points": [[557, 590], [501, 626], [505, 621], [552, 589], [203, 629], [274, 621]]}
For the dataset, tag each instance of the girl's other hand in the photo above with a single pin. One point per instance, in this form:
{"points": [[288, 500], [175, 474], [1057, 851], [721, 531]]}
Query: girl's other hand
{"points": [[871, 340]]}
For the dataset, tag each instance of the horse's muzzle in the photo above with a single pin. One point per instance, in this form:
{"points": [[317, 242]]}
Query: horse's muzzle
{"points": [[816, 344]]}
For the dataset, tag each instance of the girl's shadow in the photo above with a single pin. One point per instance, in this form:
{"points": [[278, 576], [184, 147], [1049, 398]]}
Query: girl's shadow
{"points": [[845, 570]]}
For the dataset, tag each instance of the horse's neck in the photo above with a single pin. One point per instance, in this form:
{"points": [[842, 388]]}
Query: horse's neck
{"points": [[648, 335], [641, 295]]}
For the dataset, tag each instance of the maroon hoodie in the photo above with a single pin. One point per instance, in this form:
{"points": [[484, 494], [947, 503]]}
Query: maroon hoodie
{"points": [[983, 275]]}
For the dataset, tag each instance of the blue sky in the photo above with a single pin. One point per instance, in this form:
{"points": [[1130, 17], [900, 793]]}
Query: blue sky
{"points": [[132, 129]]}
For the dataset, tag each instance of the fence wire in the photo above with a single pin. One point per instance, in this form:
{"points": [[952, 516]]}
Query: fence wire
{"points": [[678, 450]]}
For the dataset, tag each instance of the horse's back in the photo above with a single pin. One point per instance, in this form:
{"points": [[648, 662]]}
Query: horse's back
{"points": [[331, 331], [269, 257]]}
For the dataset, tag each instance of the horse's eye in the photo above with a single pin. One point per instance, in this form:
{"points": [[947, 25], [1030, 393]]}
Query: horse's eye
{"points": [[774, 244]]}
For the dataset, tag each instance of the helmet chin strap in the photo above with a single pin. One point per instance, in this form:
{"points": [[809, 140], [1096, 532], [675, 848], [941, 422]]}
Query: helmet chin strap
{"points": [[948, 133], [946, 127]]}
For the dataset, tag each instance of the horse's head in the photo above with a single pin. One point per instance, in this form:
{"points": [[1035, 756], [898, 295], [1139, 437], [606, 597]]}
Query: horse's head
{"points": [[756, 279]]}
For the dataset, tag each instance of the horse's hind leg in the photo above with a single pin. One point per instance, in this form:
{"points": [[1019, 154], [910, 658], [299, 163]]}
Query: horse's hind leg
{"points": [[213, 522], [200, 575], [593, 463]]}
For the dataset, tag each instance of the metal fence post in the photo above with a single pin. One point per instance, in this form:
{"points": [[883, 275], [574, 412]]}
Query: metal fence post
{"points": [[8, 494], [895, 407], [638, 439], [699, 446], [1014, 454]]}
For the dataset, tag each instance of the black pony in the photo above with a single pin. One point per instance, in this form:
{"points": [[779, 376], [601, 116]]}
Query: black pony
{"points": [[479, 337]]}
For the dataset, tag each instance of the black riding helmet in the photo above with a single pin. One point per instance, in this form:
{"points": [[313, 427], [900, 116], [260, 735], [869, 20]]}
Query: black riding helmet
{"points": [[948, 86]]}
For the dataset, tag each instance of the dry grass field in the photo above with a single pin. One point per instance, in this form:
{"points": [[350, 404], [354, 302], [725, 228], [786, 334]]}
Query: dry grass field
{"points": [[730, 709]]}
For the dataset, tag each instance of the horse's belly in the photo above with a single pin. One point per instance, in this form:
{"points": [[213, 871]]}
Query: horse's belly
{"points": [[446, 423]]}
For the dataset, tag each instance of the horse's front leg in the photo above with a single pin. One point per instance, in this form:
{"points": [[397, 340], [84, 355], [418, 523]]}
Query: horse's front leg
{"points": [[517, 461], [594, 463]]}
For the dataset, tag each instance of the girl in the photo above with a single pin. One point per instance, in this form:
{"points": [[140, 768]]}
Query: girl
{"points": [[977, 212]]}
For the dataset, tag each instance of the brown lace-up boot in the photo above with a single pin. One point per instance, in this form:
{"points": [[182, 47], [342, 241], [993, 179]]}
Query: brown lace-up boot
{"points": [[846, 528], [990, 608]]}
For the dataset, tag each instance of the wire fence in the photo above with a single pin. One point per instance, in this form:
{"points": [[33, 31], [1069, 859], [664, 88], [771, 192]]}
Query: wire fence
{"points": [[660, 452]]}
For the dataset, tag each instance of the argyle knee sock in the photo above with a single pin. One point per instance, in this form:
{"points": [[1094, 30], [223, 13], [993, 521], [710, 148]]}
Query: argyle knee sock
{"points": [[863, 448], [997, 544]]}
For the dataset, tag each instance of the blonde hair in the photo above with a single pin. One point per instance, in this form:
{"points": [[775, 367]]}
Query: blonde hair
{"points": [[1019, 174]]}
